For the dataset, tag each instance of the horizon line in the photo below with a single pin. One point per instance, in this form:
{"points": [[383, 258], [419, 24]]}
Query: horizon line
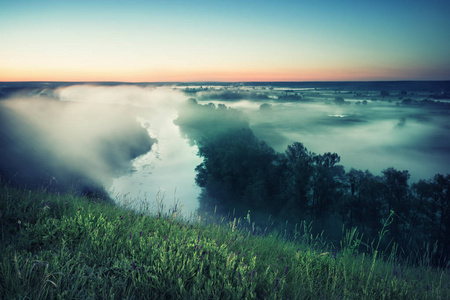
{"points": [[224, 81]]}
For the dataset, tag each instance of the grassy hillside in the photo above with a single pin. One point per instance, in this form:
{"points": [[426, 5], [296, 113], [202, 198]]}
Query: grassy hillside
{"points": [[67, 247]]}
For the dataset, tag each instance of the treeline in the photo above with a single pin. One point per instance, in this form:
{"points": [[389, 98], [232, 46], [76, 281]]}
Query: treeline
{"points": [[243, 173]]}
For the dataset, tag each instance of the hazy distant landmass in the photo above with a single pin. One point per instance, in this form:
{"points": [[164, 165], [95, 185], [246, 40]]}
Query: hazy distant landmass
{"points": [[423, 85]]}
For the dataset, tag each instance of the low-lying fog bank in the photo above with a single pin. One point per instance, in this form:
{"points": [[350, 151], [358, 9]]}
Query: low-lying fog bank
{"points": [[372, 137], [82, 137], [123, 136], [370, 130]]}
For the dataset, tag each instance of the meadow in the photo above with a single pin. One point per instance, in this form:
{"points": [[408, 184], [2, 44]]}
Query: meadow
{"points": [[61, 246]]}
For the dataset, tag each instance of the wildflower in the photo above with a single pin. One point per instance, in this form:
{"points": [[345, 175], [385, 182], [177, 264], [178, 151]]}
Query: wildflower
{"points": [[130, 236], [140, 233], [286, 271], [395, 272], [276, 285]]}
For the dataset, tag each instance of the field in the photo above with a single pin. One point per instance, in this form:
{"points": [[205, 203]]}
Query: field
{"points": [[59, 246]]}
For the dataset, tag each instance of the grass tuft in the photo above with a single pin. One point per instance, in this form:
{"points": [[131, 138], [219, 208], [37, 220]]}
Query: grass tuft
{"points": [[67, 247]]}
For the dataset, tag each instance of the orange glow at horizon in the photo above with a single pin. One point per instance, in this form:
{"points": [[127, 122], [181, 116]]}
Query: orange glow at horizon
{"points": [[172, 75]]}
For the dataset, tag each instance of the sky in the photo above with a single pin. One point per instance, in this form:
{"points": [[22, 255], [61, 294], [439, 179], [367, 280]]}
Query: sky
{"points": [[159, 41]]}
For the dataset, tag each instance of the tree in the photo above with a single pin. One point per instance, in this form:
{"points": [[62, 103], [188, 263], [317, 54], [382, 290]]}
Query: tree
{"points": [[431, 214], [325, 183], [237, 169], [363, 203], [339, 101], [397, 198], [441, 204], [298, 170]]}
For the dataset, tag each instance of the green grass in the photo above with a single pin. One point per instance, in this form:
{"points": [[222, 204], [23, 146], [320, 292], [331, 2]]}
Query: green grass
{"points": [[67, 247]]}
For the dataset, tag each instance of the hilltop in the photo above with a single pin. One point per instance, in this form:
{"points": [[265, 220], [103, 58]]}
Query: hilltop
{"points": [[64, 246]]}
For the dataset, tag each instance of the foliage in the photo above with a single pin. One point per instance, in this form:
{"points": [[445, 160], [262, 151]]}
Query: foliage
{"points": [[198, 121], [240, 172]]}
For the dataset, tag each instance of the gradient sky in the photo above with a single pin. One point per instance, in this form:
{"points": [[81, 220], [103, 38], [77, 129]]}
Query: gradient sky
{"points": [[140, 41]]}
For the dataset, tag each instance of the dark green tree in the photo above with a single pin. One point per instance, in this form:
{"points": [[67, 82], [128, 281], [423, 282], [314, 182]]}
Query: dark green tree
{"points": [[298, 167], [237, 169], [397, 197], [326, 183], [363, 202], [430, 214]]}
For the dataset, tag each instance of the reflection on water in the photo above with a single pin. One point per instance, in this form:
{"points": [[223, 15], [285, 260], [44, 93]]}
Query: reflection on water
{"points": [[167, 172]]}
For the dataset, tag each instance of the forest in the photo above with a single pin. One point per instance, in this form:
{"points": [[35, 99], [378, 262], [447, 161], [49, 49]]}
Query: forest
{"points": [[241, 173]]}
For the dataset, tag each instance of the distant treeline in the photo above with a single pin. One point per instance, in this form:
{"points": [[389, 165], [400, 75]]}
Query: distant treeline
{"points": [[240, 172]]}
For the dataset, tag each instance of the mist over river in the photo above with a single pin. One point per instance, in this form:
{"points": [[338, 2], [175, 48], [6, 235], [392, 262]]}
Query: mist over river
{"points": [[367, 130], [374, 136], [165, 175]]}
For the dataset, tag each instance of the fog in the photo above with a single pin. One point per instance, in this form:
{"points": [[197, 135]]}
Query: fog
{"points": [[139, 141], [64, 140], [167, 171], [92, 133], [372, 137]]}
